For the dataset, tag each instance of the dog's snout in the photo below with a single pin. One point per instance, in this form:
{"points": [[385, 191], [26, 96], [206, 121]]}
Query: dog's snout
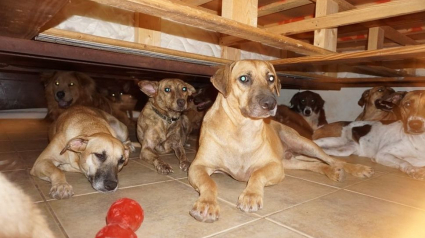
{"points": [[416, 124], [307, 112], [181, 102], [268, 103], [110, 184], [60, 94]]}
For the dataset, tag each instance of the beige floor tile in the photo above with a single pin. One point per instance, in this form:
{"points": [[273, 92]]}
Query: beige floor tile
{"points": [[367, 161], [395, 188], [6, 146], [289, 192], [22, 179], [346, 214], [166, 207], [53, 225], [25, 145], [29, 157], [260, 229], [11, 161], [132, 174]]}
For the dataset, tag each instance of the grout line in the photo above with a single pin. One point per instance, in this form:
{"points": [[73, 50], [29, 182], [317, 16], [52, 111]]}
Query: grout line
{"points": [[232, 228], [288, 227], [382, 199], [311, 181]]}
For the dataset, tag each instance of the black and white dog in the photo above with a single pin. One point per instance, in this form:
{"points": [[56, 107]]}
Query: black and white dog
{"points": [[310, 106], [398, 144]]}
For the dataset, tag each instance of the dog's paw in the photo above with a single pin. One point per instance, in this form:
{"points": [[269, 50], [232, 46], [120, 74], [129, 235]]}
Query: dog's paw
{"points": [[335, 173], [205, 211], [416, 173], [61, 191], [250, 202], [360, 171], [184, 165], [164, 168]]}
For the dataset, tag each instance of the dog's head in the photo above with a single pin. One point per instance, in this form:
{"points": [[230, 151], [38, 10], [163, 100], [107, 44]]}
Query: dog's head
{"points": [[101, 157], [252, 84], [307, 102], [66, 88], [371, 95], [412, 112], [168, 94]]}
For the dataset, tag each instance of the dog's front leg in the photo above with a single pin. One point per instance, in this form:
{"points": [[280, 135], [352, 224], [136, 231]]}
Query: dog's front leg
{"points": [[206, 208], [181, 155], [251, 199], [46, 170], [148, 154]]}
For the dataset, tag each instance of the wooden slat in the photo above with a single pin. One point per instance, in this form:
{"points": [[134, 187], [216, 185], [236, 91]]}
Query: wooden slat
{"points": [[397, 37], [281, 6], [23, 19], [147, 29], [375, 38], [381, 71], [344, 5], [326, 38], [196, 2], [174, 11], [379, 11], [396, 53]]}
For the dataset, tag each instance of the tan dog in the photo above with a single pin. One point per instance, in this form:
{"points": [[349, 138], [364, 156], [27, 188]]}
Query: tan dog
{"points": [[19, 216], [161, 127], [370, 112], [85, 140], [237, 139], [65, 89]]}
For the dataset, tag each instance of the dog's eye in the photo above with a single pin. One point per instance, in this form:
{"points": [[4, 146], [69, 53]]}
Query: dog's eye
{"points": [[71, 84], [312, 101], [380, 90], [121, 94], [113, 95], [407, 104], [243, 78], [57, 83], [122, 160], [303, 100], [101, 157], [167, 90], [184, 89], [271, 78]]}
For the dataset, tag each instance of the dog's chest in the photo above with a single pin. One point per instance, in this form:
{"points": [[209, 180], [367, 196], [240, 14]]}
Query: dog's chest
{"points": [[312, 120]]}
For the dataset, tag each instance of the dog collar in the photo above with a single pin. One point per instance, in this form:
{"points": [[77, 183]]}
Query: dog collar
{"points": [[167, 119]]}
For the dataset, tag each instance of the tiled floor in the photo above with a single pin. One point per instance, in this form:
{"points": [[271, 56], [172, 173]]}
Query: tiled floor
{"points": [[305, 204]]}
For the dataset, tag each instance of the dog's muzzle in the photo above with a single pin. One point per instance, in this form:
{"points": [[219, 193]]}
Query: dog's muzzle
{"points": [[307, 111], [415, 126]]}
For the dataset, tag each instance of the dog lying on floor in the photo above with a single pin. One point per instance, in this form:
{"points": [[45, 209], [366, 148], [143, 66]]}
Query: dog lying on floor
{"points": [[162, 127], [239, 139], [19, 216], [288, 117], [370, 112], [88, 141], [65, 89], [197, 106], [310, 106], [397, 144]]}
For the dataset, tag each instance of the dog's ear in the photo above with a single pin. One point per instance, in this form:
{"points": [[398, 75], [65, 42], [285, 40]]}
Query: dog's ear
{"points": [[295, 99], [364, 97], [277, 85], [76, 144], [221, 78], [190, 89], [150, 88], [45, 77], [85, 80], [320, 101]]}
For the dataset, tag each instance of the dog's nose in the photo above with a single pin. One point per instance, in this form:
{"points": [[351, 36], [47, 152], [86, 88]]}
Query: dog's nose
{"points": [[110, 184], [181, 102], [60, 94], [268, 103], [307, 112], [416, 124]]}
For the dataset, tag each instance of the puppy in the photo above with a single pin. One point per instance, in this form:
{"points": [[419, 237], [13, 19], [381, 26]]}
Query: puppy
{"points": [[19, 216], [162, 127], [65, 89], [84, 140], [370, 112], [288, 117], [239, 139], [396, 144], [310, 106]]}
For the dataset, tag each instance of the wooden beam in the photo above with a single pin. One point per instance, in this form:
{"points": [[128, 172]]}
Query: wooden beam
{"points": [[379, 11], [23, 19], [381, 71], [196, 2], [326, 38], [174, 11], [395, 53], [280, 6], [397, 37], [344, 5], [375, 38], [147, 29]]}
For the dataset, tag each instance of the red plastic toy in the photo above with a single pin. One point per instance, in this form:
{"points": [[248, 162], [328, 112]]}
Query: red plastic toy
{"points": [[124, 218]]}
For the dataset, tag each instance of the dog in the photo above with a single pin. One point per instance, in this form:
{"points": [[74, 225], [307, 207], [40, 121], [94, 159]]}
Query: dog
{"points": [[162, 127], [370, 111], [296, 121], [310, 106], [397, 144], [88, 141], [19, 216], [64, 89], [238, 138], [198, 104]]}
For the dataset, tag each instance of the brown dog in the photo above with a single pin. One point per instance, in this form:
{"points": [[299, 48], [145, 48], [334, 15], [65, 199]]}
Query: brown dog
{"points": [[161, 127], [85, 140], [237, 139], [296, 121], [370, 112], [65, 89]]}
